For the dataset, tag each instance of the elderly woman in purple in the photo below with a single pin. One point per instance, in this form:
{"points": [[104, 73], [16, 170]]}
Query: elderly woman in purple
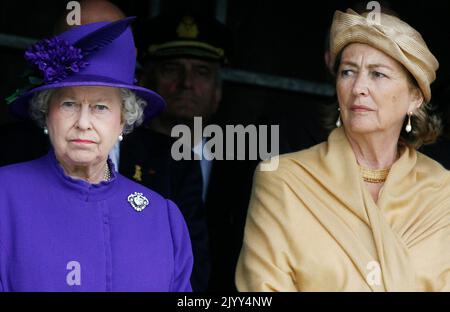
{"points": [[69, 221]]}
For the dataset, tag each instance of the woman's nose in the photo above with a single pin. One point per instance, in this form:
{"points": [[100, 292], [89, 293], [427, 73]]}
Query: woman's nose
{"points": [[84, 118], [360, 85]]}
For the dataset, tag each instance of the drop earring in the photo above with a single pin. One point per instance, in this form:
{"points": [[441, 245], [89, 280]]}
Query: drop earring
{"points": [[408, 127], [45, 130], [338, 122], [120, 137]]}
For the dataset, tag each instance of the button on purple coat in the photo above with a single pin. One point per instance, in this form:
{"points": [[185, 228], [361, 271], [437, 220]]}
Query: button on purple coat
{"points": [[62, 234]]}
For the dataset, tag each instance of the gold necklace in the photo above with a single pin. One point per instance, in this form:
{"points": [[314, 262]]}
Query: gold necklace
{"points": [[374, 175]]}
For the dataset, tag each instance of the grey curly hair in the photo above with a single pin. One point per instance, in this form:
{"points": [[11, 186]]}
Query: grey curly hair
{"points": [[132, 108]]}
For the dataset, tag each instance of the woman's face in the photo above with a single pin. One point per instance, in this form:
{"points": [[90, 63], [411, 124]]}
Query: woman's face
{"points": [[84, 123], [373, 91]]}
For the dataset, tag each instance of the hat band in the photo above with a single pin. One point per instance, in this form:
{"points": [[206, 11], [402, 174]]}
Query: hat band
{"points": [[153, 49]]}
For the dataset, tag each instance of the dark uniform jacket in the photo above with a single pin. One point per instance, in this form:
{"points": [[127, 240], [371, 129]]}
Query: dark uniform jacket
{"points": [[145, 157]]}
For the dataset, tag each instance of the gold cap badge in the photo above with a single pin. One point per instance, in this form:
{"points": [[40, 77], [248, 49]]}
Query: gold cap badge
{"points": [[187, 28]]}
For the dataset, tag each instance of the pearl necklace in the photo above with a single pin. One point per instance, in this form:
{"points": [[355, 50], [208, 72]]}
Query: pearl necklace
{"points": [[107, 175]]}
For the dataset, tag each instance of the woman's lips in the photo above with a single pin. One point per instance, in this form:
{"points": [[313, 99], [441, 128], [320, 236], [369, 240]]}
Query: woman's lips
{"points": [[360, 108], [79, 141]]}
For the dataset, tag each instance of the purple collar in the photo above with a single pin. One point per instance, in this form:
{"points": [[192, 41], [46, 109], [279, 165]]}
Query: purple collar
{"points": [[82, 189]]}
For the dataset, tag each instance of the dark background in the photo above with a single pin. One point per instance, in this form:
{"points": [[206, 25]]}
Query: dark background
{"points": [[285, 38]]}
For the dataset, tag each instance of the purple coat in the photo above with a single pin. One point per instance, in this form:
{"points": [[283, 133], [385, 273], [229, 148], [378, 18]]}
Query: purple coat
{"points": [[61, 234]]}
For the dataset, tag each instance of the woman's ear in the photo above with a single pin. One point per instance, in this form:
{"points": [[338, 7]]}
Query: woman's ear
{"points": [[416, 100]]}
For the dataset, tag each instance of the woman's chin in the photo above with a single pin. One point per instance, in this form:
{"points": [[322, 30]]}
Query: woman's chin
{"points": [[361, 128], [82, 157]]}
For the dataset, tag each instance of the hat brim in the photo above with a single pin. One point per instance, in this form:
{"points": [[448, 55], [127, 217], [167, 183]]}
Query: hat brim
{"points": [[187, 48], [155, 103], [188, 52]]}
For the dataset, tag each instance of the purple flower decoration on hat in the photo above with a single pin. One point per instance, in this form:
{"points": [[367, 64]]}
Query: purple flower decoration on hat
{"points": [[55, 58]]}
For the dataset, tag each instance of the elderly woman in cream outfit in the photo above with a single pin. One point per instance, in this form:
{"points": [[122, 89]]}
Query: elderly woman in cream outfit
{"points": [[363, 211]]}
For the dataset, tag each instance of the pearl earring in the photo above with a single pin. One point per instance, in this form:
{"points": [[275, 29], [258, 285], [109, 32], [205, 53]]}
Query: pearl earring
{"points": [[408, 127], [46, 130], [338, 122], [120, 137]]}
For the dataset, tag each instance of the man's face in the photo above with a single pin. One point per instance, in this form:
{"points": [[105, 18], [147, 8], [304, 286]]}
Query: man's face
{"points": [[189, 86]]}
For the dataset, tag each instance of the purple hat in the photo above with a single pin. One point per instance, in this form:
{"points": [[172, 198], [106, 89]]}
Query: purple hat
{"points": [[97, 54]]}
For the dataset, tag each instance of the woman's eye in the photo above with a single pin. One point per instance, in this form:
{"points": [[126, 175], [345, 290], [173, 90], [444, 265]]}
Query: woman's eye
{"points": [[68, 104], [101, 108], [378, 74], [346, 72]]}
